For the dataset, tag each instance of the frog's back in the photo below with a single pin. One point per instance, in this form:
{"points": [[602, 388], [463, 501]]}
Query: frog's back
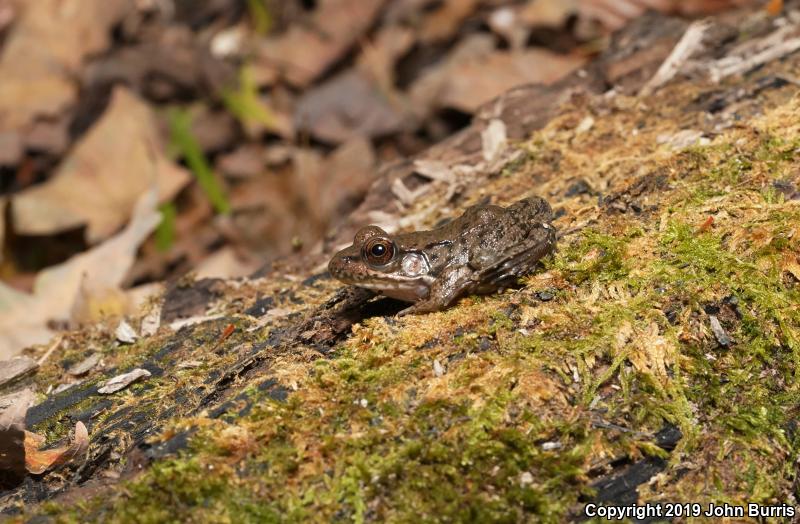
{"points": [[508, 226], [531, 210]]}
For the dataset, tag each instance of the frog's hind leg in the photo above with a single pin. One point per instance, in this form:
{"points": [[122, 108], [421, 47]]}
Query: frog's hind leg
{"points": [[515, 263]]}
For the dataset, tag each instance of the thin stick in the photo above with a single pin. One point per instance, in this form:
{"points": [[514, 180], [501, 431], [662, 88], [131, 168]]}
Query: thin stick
{"points": [[53, 346], [689, 43], [768, 55]]}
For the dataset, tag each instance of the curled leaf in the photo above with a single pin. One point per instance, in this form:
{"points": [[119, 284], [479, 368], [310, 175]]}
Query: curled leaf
{"points": [[122, 381], [39, 461]]}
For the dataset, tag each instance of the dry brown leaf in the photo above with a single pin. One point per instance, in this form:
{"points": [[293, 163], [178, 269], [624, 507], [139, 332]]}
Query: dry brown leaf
{"points": [[13, 408], [38, 461], [444, 23], [477, 73], [774, 7], [347, 106], [11, 148], [44, 52], [306, 51], [99, 183], [59, 290], [349, 172], [427, 90], [8, 11], [507, 23], [246, 161], [614, 14], [379, 57], [16, 368], [120, 382], [226, 263], [85, 365], [475, 82], [790, 264], [547, 13], [3, 203], [652, 353]]}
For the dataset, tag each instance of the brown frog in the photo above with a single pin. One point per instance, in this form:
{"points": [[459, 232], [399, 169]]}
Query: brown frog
{"points": [[485, 249]]}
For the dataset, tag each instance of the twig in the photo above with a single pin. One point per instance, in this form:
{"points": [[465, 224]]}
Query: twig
{"points": [[689, 43], [768, 55], [53, 346]]}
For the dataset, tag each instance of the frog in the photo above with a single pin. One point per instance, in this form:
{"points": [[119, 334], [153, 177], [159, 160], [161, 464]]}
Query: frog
{"points": [[486, 249]]}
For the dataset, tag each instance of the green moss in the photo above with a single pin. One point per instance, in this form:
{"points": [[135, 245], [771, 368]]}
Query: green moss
{"points": [[596, 256]]}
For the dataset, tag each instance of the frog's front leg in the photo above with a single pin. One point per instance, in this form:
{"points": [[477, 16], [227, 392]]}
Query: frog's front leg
{"points": [[449, 287]]}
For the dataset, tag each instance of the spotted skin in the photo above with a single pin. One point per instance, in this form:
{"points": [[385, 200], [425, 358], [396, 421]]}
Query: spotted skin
{"points": [[485, 249]]}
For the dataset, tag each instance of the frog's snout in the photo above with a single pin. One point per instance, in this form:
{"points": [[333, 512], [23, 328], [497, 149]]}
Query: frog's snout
{"points": [[335, 266]]}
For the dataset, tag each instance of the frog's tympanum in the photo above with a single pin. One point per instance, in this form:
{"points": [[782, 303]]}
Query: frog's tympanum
{"points": [[485, 249]]}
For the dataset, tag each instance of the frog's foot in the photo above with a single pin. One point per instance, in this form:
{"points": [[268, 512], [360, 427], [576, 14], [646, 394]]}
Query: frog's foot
{"points": [[453, 283], [421, 307]]}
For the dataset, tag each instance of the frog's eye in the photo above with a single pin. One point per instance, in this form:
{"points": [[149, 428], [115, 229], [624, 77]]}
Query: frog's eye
{"points": [[378, 251]]}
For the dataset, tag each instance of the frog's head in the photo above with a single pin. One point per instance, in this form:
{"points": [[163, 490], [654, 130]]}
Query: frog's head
{"points": [[376, 261]]}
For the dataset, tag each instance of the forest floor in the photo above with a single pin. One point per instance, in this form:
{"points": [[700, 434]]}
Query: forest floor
{"points": [[654, 358]]}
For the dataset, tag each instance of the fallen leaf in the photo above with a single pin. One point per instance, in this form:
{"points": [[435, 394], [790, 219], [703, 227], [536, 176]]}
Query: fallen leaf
{"points": [[48, 136], [614, 14], [790, 265], [85, 365], [347, 106], [380, 55], [444, 22], [119, 382], [507, 23], [426, 91], [169, 62], [39, 461], [3, 203], [44, 52], [246, 161], [494, 140], [16, 368], [151, 321], [8, 11], [548, 13], [189, 364], [349, 172], [774, 7], [100, 181], [125, 333], [214, 130], [683, 139], [473, 82], [306, 51], [706, 225], [11, 148], [226, 333], [59, 290], [226, 263], [13, 408], [191, 321]]}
